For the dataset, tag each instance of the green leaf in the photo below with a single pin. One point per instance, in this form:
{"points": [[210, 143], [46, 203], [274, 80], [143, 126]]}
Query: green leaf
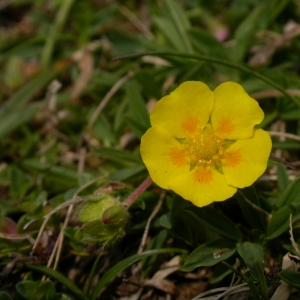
{"points": [[221, 270], [59, 277], [286, 145], [136, 127], [291, 194], [147, 80], [127, 173], [215, 221], [55, 30], [158, 241], [19, 183], [250, 253], [291, 277], [283, 178], [181, 22], [253, 288], [165, 220], [114, 271], [121, 156], [262, 278], [58, 174], [15, 118], [137, 106], [253, 217], [205, 43], [46, 290], [27, 289], [167, 28], [27, 92], [280, 220], [5, 296], [245, 31], [209, 254]]}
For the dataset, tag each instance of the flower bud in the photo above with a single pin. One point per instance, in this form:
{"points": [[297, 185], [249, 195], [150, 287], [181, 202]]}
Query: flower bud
{"points": [[103, 217]]}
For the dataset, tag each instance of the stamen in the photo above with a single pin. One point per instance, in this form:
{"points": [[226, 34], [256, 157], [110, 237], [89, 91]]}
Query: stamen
{"points": [[205, 149]]}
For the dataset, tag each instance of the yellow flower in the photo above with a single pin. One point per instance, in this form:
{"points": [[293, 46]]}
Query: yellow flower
{"points": [[202, 143]]}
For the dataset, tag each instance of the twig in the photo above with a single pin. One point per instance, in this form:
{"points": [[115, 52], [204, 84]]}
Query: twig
{"points": [[136, 22], [107, 97], [25, 236], [284, 134], [139, 190], [292, 236], [282, 161], [62, 235], [153, 214], [73, 201], [213, 60], [275, 178], [273, 93], [255, 206]]}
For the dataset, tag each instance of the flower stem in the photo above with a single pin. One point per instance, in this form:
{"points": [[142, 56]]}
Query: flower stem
{"points": [[217, 61], [143, 186], [255, 206]]}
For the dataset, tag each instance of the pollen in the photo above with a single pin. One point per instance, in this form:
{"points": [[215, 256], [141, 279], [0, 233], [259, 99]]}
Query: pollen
{"points": [[205, 148]]}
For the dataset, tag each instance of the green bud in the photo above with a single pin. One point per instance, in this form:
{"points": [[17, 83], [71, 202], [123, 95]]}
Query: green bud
{"points": [[115, 214], [95, 207], [103, 217]]}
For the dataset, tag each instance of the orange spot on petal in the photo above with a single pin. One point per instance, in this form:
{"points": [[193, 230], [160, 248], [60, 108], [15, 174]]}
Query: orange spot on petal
{"points": [[178, 157], [225, 127], [232, 159], [190, 125], [203, 175]]}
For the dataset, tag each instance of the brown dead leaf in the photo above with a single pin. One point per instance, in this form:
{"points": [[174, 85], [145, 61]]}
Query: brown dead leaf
{"points": [[272, 42], [86, 66]]}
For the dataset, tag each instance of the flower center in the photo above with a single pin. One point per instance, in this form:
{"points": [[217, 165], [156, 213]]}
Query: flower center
{"points": [[205, 148]]}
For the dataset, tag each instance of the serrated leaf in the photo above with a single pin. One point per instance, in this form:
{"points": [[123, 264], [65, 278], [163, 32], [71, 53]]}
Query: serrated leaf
{"points": [[209, 254]]}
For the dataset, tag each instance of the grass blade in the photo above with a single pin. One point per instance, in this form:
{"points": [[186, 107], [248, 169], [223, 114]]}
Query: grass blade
{"points": [[114, 271], [61, 278], [217, 61]]}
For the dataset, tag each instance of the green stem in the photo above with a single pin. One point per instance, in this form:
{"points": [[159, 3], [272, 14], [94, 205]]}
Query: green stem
{"points": [[60, 20], [91, 276], [217, 61]]}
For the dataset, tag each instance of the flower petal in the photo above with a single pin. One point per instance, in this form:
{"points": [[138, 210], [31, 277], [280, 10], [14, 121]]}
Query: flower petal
{"points": [[245, 160], [185, 111], [164, 157], [202, 186], [235, 113]]}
